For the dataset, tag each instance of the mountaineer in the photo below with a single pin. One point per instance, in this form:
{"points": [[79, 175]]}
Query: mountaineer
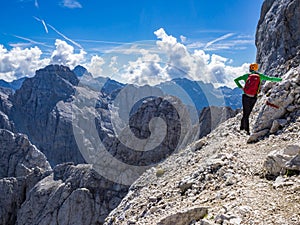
{"points": [[251, 89]]}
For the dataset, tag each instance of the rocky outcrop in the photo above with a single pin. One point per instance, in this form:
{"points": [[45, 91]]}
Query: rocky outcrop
{"points": [[283, 161], [278, 53], [19, 156], [277, 36], [34, 194], [5, 108], [187, 216], [211, 117], [22, 165], [129, 131], [71, 195], [278, 106], [42, 110]]}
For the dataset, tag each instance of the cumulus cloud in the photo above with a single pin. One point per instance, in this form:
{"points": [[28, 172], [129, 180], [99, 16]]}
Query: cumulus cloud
{"points": [[137, 63], [147, 69], [95, 66], [23, 62], [20, 62], [64, 54], [197, 65], [166, 60]]}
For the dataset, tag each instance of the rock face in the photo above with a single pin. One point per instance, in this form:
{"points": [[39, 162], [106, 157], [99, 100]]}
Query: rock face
{"points": [[285, 108], [42, 110], [212, 116], [277, 36], [34, 194], [278, 53], [22, 165], [5, 108], [19, 156], [71, 195]]}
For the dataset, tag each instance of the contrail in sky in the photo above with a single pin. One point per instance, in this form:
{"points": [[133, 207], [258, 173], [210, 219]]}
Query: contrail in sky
{"points": [[218, 39], [43, 22], [36, 3], [31, 41], [64, 36]]}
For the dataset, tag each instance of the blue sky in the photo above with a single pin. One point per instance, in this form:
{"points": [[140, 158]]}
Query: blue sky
{"points": [[39, 29]]}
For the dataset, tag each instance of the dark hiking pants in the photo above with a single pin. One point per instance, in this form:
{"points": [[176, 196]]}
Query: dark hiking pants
{"points": [[248, 104]]}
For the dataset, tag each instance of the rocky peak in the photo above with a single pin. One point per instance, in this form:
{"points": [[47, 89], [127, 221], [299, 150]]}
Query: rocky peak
{"points": [[81, 71], [42, 110], [60, 71], [277, 36]]}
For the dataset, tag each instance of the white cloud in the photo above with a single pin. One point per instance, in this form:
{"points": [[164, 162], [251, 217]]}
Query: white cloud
{"points": [[147, 69], [20, 62], [136, 63], [182, 38], [141, 64], [64, 54], [198, 65], [71, 4], [95, 66]]}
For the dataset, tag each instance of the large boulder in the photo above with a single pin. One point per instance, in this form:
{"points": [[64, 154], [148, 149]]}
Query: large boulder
{"points": [[280, 161]]}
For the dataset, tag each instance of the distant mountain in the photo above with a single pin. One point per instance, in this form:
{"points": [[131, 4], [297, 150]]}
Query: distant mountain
{"points": [[200, 94], [81, 71], [14, 85], [103, 84], [232, 97]]}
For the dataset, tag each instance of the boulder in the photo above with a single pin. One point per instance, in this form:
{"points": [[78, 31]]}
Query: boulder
{"points": [[186, 216], [279, 161]]}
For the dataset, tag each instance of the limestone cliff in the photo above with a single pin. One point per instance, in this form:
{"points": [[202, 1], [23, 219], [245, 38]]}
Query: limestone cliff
{"points": [[278, 36]]}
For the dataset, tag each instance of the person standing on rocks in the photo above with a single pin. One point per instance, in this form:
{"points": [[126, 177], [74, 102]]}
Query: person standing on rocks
{"points": [[251, 89]]}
